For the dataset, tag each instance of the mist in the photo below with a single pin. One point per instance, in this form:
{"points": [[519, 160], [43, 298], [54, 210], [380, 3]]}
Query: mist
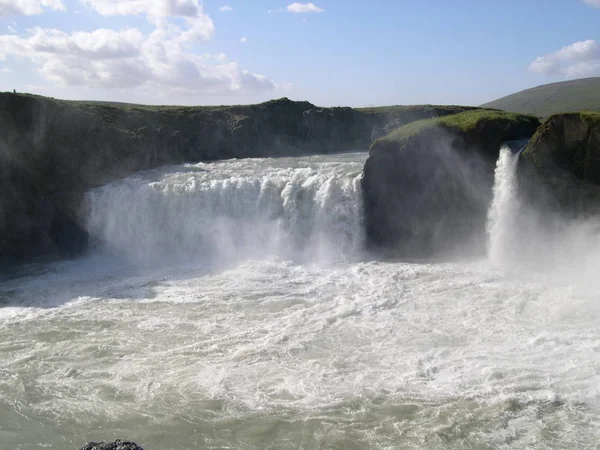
{"points": [[228, 212], [429, 199], [236, 298], [529, 233]]}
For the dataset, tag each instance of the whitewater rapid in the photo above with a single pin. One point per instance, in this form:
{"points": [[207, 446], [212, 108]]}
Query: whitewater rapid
{"points": [[287, 334], [230, 211]]}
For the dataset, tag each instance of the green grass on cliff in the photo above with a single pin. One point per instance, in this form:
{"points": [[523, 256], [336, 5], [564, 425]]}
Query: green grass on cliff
{"points": [[433, 110], [548, 99], [543, 132], [171, 109], [393, 110], [592, 117], [464, 121]]}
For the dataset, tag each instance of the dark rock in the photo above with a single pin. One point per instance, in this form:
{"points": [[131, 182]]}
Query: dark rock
{"points": [[53, 151], [116, 445], [427, 186], [560, 168]]}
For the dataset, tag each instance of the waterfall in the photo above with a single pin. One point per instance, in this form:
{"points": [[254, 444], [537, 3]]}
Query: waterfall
{"points": [[504, 210], [303, 208]]}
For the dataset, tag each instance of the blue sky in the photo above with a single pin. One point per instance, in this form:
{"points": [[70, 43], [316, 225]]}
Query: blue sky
{"points": [[330, 52]]}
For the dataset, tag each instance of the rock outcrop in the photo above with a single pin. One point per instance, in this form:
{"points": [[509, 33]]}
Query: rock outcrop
{"points": [[52, 151], [427, 186], [115, 445], [560, 168]]}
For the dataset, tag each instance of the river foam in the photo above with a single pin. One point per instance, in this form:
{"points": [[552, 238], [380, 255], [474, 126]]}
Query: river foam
{"points": [[285, 350]]}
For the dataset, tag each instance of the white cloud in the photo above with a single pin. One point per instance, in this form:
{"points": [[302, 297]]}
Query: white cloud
{"points": [[579, 59], [226, 8], [244, 40], [29, 7], [5, 70], [594, 3], [153, 8], [199, 25], [304, 8], [127, 59]]}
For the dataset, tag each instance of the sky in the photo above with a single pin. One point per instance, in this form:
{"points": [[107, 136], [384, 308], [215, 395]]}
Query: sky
{"points": [[329, 52]]}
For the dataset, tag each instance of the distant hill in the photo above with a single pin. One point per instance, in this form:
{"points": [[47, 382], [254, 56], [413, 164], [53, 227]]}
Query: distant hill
{"points": [[542, 101]]}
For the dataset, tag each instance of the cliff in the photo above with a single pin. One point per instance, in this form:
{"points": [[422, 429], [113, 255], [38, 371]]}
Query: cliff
{"points": [[427, 185], [52, 151], [560, 168]]}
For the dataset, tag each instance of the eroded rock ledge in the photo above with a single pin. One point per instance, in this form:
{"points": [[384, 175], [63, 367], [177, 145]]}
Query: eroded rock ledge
{"points": [[560, 168], [427, 185]]}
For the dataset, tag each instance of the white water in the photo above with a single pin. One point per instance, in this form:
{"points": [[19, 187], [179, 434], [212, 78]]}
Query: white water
{"points": [[505, 209], [259, 344], [522, 237], [234, 210]]}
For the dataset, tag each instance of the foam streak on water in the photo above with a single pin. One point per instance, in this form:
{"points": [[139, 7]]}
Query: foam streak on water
{"points": [[285, 353]]}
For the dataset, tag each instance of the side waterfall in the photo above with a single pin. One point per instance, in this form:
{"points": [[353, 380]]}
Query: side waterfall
{"points": [[505, 208]]}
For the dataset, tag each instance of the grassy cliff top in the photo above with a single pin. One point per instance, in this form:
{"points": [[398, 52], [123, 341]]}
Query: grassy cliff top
{"points": [[552, 130], [465, 121], [548, 99], [439, 110], [392, 110], [592, 117], [583, 117], [166, 109]]}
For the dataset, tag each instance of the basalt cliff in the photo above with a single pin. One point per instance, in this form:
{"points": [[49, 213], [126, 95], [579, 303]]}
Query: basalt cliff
{"points": [[53, 151], [427, 186]]}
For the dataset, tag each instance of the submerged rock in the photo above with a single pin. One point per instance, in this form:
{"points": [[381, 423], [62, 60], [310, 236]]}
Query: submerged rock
{"points": [[427, 186], [116, 445]]}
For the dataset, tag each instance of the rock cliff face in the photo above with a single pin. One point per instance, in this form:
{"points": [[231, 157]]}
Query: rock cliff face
{"points": [[52, 151], [427, 186], [569, 142], [560, 168]]}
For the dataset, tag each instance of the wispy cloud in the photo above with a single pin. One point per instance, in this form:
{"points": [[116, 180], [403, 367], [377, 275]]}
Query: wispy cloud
{"points": [[226, 8], [199, 24], [127, 59], [594, 3], [29, 7], [579, 59], [165, 60], [304, 8]]}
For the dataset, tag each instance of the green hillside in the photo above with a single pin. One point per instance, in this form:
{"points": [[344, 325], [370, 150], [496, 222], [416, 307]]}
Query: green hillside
{"points": [[542, 101]]}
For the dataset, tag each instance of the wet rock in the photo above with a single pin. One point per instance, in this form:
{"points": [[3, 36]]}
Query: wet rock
{"points": [[53, 151], [560, 168], [115, 445], [427, 185]]}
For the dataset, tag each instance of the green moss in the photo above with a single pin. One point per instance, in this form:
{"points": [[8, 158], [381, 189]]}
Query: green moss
{"points": [[548, 133], [400, 110], [465, 121], [591, 117]]}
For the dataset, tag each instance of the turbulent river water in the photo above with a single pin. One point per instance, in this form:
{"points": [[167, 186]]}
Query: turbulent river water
{"points": [[231, 305]]}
